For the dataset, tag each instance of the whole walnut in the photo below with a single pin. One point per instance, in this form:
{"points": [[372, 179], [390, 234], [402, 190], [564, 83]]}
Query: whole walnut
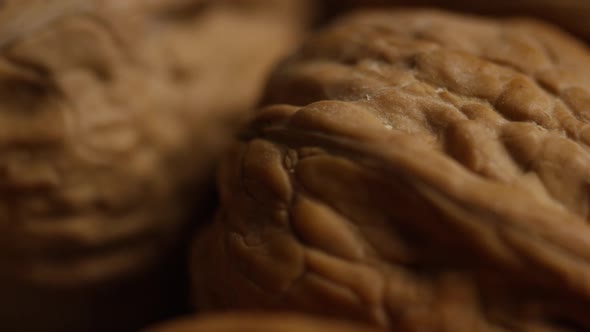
{"points": [[417, 170], [111, 121], [259, 322], [572, 15]]}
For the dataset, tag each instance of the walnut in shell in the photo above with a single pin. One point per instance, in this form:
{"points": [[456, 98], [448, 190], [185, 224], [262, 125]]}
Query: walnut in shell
{"points": [[572, 15], [110, 123], [259, 322], [419, 170]]}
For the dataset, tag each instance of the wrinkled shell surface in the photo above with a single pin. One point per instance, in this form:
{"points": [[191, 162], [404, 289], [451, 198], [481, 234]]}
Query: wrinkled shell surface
{"points": [[259, 322], [20, 17], [573, 15], [420, 170], [109, 120]]}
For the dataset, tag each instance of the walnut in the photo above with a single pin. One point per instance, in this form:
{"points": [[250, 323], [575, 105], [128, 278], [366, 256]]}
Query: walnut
{"points": [[573, 15], [419, 170], [110, 124], [20, 17], [259, 322]]}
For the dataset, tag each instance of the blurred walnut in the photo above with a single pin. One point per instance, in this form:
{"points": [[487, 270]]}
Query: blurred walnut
{"points": [[573, 15], [110, 124], [431, 175], [259, 322], [20, 17]]}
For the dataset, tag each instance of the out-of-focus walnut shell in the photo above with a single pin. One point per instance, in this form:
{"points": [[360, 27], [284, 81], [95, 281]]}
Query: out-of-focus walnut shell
{"points": [[572, 15], [111, 121], [20, 17], [419, 170], [259, 322]]}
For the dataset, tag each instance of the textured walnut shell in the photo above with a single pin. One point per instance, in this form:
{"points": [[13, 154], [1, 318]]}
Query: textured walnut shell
{"points": [[572, 15], [110, 123], [420, 169], [259, 322], [20, 17]]}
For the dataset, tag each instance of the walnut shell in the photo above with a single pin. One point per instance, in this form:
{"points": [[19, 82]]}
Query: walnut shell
{"points": [[259, 322], [419, 170], [110, 124], [20, 17], [572, 15]]}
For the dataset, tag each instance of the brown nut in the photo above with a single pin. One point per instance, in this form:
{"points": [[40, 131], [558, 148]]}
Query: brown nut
{"points": [[432, 175], [110, 124], [572, 15], [20, 17], [259, 322]]}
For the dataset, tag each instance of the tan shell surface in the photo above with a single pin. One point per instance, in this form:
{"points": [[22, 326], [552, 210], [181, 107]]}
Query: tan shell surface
{"points": [[259, 322], [419, 170], [572, 15], [111, 121]]}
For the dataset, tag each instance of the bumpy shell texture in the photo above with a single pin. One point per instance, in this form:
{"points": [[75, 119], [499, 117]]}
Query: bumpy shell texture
{"points": [[572, 15], [110, 124], [259, 322], [98, 115], [418, 170]]}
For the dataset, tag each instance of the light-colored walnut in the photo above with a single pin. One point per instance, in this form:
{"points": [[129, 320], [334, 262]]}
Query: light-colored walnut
{"points": [[419, 170], [21, 17], [259, 322], [110, 124]]}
